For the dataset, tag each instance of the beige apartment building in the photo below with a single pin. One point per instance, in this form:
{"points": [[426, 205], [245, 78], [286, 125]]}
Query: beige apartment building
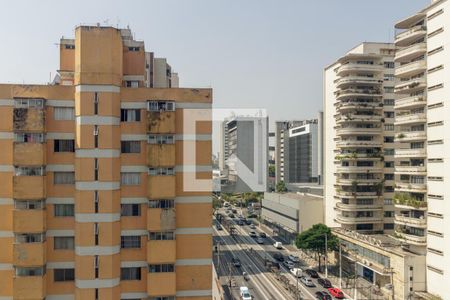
{"points": [[97, 195]]}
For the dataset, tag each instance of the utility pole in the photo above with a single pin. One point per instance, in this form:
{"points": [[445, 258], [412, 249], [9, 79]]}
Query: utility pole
{"points": [[326, 255], [340, 265]]}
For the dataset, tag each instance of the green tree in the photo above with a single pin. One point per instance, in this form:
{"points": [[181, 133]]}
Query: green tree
{"points": [[313, 240], [281, 187], [271, 171]]}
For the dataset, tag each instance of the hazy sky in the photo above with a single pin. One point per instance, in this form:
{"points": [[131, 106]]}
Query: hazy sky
{"points": [[254, 53]]}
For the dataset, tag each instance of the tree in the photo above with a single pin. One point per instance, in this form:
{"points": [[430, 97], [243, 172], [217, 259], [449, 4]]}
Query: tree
{"points": [[271, 171], [313, 239], [281, 187]]}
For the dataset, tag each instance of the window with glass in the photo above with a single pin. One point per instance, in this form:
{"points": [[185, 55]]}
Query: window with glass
{"points": [[130, 178], [64, 210], [130, 210], [63, 275], [130, 146], [64, 177], [64, 113], [161, 268], [160, 139], [132, 273], [29, 271], [25, 238], [163, 203], [63, 243], [130, 115], [161, 236], [29, 171], [130, 241], [64, 146], [161, 171], [28, 103], [29, 204], [161, 105], [28, 137]]}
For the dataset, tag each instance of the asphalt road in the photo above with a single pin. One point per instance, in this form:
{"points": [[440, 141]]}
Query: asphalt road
{"points": [[243, 240]]}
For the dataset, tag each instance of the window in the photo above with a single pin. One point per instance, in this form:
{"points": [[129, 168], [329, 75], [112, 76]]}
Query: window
{"points": [[133, 49], [435, 178], [130, 241], [437, 197], [435, 215], [63, 113], [64, 177], [29, 204], [64, 146], [388, 214], [436, 86], [388, 176], [64, 274], [161, 171], [389, 77], [30, 271], [161, 268], [435, 142], [130, 178], [436, 32], [161, 236], [130, 146], [389, 114], [132, 83], [161, 105], [389, 102], [435, 251], [387, 201], [26, 238], [434, 15], [29, 171], [388, 89], [434, 69], [417, 145], [364, 226], [130, 210], [389, 64], [388, 139], [130, 273], [67, 46], [28, 103], [438, 123], [64, 210], [436, 270], [388, 226], [162, 298], [160, 139], [388, 164], [96, 136], [23, 137], [388, 127], [96, 99], [166, 203], [435, 105], [130, 115], [63, 243], [435, 233], [389, 151], [436, 50]]}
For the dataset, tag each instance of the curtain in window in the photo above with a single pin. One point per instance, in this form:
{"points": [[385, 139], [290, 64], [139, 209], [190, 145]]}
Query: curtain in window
{"points": [[64, 243], [64, 177], [130, 178], [64, 113]]}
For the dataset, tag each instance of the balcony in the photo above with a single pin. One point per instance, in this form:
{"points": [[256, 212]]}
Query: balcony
{"points": [[161, 187], [358, 130], [358, 68], [363, 169], [357, 80], [159, 219], [159, 252], [341, 193], [29, 187], [29, 119], [411, 136], [344, 106], [411, 52], [358, 156], [410, 153], [29, 154], [358, 181], [29, 220], [355, 207], [410, 221], [410, 119], [357, 220], [161, 155], [410, 102], [411, 187], [408, 36], [358, 144], [29, 287], [30, 254], [411, 239], [411, 170], [411, 86], [410, 69], [161, 284], [349, 118], [367, 93], [161, 122], [406, 201]]}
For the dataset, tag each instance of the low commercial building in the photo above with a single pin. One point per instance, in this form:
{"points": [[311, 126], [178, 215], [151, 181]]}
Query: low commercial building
{"points": [[386, 264], [291, 213]]}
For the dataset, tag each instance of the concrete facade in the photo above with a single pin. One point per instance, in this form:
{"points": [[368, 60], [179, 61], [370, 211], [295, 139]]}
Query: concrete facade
{"points": [[93, 180]]}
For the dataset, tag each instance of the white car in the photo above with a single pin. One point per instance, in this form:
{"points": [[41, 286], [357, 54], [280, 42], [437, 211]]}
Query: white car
{"points": [[307, 281], [297, 272], [245, 294], [278, 245]]}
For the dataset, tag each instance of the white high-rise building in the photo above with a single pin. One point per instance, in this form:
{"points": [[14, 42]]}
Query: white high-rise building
{"points": [[423, 128], [359, 139]]}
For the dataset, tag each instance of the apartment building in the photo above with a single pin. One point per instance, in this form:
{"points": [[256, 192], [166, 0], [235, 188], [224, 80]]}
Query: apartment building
{"points": [[245, 154], [298, 151], [422, 129], [98, 199], [359, 139]]}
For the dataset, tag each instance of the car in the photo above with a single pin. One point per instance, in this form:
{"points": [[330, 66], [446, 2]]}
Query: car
{"points": [[297, 272], [244, 293], [288, 264], [262, 234], [253, 226], [312, 273], [336, 293], [253, 234], [236, 262], [278, 256], [248, 222], [307, 281], [226, 204], [293, 258], [218, 227], [240, 223], [234, 211], [324, 282], [319, 295], [278, 245], [323, 296], [260, 240]]}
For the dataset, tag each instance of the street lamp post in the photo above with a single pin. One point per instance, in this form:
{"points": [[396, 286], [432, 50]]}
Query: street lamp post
{"points": [[340, 265], [326, 255]]}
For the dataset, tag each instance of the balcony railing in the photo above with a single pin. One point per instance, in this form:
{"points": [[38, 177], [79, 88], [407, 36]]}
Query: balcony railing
{"points": [[411, 68], [406, 87], [412, 101], [410, 169], [403, 38], [411, 136], [354, 143], [355, 207], [355, 67], [410, 238], [410, 119], [353, 219], [411, 51], [410, 221], [407, 153]]}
